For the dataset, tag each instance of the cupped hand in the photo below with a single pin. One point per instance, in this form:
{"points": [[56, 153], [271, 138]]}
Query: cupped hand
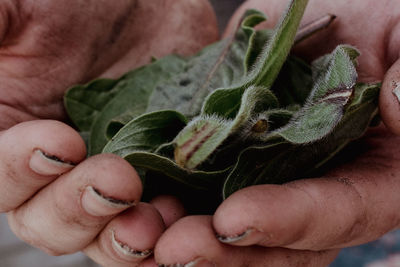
{"points": [[55, 198], [304, 223]]}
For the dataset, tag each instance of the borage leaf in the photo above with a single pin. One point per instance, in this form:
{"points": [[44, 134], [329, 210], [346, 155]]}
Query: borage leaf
{"points": [[132, 98], [205, 134], [195, 179], [225, 102], [201, 138], [294, 83], [84, 102], [146, 133], [281, 161], [218, 65], [324, 108]]}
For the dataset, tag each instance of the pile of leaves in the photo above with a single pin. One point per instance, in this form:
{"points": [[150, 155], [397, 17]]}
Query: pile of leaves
{"points": [[241, 112]]}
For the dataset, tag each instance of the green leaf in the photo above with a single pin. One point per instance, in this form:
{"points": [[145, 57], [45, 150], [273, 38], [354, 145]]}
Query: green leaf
{"points": [[84, 102], [224, 102], [251, 19], [205, 134], [325, 105], [218, 65], [280, 161], [132, 98], [197, 179], [294, 83], [146, 133]]}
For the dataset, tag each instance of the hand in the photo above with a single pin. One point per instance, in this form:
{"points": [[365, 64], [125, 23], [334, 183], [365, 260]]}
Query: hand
{"points": [[55, 198], [305, 222]]}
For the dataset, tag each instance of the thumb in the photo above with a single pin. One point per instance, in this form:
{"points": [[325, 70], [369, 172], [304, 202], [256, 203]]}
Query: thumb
{"points": [[389, 100]]}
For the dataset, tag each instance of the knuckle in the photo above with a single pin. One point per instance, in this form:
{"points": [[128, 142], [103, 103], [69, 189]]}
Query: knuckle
{"points": [[72, 219]]}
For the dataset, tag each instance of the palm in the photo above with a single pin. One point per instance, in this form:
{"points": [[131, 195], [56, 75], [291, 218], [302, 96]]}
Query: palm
{"points": [[47, 46]]}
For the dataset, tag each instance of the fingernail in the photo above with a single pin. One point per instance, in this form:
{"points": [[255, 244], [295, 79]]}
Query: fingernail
{"points": [[97, 204], [126, 251], [200, 262], [234, 238], [45, 164]]}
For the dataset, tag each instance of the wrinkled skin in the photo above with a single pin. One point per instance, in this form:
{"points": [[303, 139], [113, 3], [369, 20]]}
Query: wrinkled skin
{"points": [[304, 223], [45, 47]]}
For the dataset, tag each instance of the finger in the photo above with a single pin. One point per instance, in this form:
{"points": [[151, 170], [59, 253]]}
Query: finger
{"points": [[356, 203], [32, 154], [389, 100], [129, 238], [67, 215], [170, 208], [192, 242]]}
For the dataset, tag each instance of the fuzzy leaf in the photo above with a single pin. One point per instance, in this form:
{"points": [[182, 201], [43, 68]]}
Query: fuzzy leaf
{"points": [[132, 98], [281, 161], [146, 133], [294, 83], [205, 134], [324, 107], [167, 167], [84, 102], [218, 65], [225, 102]]}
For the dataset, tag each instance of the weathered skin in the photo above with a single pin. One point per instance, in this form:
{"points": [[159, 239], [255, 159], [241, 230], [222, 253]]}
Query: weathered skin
{"points": [[47, 46]]}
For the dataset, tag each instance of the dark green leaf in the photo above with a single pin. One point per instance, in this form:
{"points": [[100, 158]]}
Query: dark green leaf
{"points": [[281, 161], [132, 98], [218, 65], [84, 102], [225, 102], [205, 134], [198, 179], [146, 133], [294, 83], [325, 105]]}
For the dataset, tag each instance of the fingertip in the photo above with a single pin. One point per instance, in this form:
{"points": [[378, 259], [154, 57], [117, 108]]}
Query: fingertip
{"points": [[129, 238], [33, 154], [186, 241], [47, 165], [170, 208], [115, 179], [68, 214], [389, 99], [50, 143], [267, 215], [140, 227]]}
